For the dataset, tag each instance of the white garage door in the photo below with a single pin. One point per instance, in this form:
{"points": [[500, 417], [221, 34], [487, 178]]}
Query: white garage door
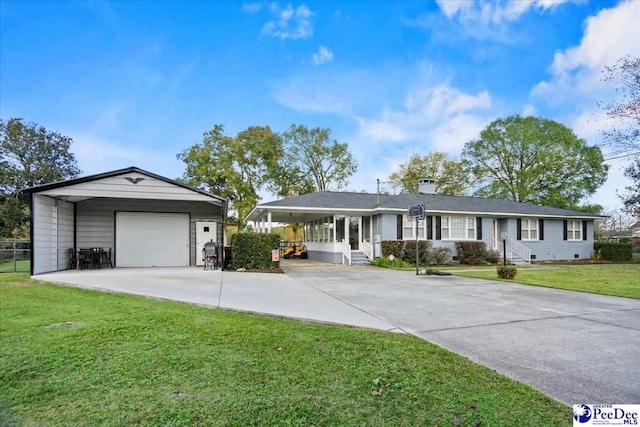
{"points": [[145, 239]]}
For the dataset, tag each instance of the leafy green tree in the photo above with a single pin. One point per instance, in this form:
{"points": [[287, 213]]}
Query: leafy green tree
{"points": [[312, 162], [534, 160], [625, 109], [29, 155], [450, 175], [233, 167]]}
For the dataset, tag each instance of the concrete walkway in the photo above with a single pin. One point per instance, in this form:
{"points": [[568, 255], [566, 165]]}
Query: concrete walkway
{"points": [[574, 346]]}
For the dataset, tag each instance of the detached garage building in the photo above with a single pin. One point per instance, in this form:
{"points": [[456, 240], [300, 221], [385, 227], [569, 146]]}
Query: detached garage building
{"points": [[146, 219]]}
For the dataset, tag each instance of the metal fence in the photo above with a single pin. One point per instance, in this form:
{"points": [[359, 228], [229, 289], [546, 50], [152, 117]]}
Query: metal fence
{"points": [[15, 256]]}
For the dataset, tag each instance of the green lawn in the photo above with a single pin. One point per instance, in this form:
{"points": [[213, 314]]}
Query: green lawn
{"points": [[20, 266], [76, 357], [609, 279]]}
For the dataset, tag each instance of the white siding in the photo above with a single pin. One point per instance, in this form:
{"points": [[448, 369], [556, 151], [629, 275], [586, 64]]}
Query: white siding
{"points": [[95, 221], [120, 187], [45, 257], [65, 233]]}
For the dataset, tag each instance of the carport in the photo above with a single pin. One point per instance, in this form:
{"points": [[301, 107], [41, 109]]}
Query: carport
{"points": [[145, 219]]}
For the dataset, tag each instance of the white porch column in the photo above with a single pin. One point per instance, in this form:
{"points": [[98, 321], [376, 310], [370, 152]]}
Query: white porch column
{"points": [[334, 229], [347, 219], [269, 224]]}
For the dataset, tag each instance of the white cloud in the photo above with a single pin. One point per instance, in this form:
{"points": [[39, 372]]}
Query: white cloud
{"points": [[322, 56], [608, 36], [576, 82], [529, 110], [252, 7], [290, 23], [494, 13], [441, 115], [96, 154]]}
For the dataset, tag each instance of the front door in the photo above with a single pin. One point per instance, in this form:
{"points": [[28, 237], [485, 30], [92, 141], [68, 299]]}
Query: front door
{"points": [[354, 233], [205, 232]]}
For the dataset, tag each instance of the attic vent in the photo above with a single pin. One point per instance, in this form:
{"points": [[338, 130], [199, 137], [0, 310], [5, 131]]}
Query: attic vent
{"points": [[427, 186], [133, 180]]}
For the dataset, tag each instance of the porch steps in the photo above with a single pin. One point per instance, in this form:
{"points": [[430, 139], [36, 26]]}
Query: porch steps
{"points": [[512, 257], [359, 258]]}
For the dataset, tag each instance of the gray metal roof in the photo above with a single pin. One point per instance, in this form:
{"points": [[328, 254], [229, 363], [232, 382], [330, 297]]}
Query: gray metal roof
{"points": [[433, 203]]}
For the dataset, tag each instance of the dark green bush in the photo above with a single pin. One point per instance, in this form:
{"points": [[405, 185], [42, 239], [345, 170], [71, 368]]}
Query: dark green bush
{"points": [[471, 253], [392, 247], [491, 258], [614, 251], [440, 256], [409, 252], [506, 271], [253, 250]]}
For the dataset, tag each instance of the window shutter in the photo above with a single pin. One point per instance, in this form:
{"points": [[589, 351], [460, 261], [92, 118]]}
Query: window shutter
{"points": [[438, 228], [399, 227], [564, 230], [519, 230], [478, 228], [541, 229], [429, 227], [584, 229]]}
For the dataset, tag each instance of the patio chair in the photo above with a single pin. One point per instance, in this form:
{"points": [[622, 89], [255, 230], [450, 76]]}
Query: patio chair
{"points": [[85, 259], [106, 259], [73, 259]]}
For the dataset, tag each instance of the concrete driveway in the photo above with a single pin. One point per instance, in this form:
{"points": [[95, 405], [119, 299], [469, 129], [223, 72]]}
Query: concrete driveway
{"points": [[576, 347]]}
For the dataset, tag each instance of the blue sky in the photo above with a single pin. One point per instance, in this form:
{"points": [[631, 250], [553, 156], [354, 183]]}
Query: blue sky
{"points": [[136, 82]]}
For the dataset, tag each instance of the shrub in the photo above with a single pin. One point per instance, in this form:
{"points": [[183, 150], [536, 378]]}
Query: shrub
{"points": [[392, 247], [409, 252], [506, 271], [253, 250], [491, 258], [396, 263], [471, 253], [613, 251], [440, 256]]}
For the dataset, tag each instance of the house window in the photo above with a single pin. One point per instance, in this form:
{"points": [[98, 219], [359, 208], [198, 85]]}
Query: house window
{"points": [[409, 229], [574, 230], [529, 229], [458, 228]]}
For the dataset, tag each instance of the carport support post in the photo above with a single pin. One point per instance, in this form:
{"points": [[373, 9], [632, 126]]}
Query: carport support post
{"points": [[417, 232], [504, 251]]}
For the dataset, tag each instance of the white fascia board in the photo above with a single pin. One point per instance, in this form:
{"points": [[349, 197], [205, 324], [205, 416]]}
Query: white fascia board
{"points": [[499, 214], [399, 210]]}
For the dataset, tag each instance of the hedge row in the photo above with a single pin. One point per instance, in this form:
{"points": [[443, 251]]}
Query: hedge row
{"points": [[253, 250], [613, 251]]}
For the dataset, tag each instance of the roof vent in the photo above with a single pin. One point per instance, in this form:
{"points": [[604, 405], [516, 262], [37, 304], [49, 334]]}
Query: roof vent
{"points": [[427, 186]]}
